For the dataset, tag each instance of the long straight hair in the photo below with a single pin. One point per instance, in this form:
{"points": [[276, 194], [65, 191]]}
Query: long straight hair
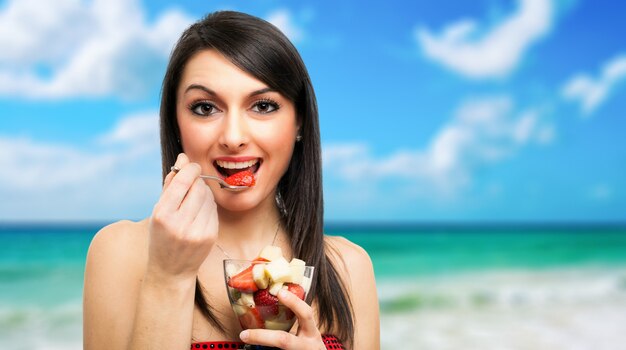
{"points": [[259, 48]]}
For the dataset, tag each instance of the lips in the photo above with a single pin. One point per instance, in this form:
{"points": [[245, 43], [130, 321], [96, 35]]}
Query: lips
{"points": [[227, 167]]}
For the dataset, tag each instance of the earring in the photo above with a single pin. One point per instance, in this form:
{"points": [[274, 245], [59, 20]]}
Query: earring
{"points": [[298, 138], [280, 204]]}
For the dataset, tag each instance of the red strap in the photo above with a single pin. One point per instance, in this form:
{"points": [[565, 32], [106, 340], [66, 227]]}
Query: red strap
{"points": [[218, 345], [330, 341]]}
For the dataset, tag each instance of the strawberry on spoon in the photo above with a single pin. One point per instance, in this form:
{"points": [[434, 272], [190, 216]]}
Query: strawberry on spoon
{"points": [[242, 178]]}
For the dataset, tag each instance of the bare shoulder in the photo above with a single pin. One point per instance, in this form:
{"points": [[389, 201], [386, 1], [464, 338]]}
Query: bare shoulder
{"points": [[352, 262], [345, 253], [117, 251], [118, 237], [113, 273], [355, 267]]}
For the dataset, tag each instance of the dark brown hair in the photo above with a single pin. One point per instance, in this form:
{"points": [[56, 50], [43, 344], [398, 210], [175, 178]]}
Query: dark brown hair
{"points": [[259, 48]]}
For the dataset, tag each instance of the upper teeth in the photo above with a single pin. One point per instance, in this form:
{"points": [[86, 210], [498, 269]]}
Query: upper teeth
{"points": [[236, 165]]}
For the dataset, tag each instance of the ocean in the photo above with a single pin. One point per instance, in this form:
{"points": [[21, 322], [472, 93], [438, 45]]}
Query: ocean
{"points": [[440, 286]]}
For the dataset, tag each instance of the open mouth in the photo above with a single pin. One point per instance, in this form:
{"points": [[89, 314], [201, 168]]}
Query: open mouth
{"points": [[228, 168]]}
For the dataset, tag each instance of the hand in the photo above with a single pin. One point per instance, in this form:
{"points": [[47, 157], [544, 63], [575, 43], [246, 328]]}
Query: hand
{"points": [[184, 224], [307, 337]]}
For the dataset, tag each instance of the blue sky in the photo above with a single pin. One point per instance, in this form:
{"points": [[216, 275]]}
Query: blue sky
{"points": [[448, 111]]}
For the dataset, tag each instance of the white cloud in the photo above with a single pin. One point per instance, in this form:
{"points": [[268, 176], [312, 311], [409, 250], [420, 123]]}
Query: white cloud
{"points": [[139, 132], [64, 48], [590, 92], [32, 165], [42, 180], [482, 132], [495, 53], [284, 21]]}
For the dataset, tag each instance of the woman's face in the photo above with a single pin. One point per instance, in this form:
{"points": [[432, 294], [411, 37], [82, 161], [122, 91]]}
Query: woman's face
{"points": [[230, 121]]}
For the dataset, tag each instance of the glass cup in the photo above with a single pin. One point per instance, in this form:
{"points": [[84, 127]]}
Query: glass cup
{"points": [[252, 292]]}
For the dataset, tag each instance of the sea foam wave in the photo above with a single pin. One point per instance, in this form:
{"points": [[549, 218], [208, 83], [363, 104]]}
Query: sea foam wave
{"points": [[36, 327], [577, 308], [514, 288]]}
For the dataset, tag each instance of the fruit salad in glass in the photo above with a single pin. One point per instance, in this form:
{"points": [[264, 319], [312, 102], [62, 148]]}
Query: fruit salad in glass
{"points": [[253, 287]]}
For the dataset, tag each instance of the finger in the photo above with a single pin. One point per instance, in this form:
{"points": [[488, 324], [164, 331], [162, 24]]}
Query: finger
{"points": [[181, 160], [201, 221], [173, 195], [202, 225], [191, 204], [267, 337], [301, 309], [168, 179]]}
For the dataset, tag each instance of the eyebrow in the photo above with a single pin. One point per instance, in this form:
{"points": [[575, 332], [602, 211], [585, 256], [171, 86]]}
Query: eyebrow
{"points": [[213, 93]]}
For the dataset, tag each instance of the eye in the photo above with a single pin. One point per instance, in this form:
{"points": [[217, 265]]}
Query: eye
{"points": [[265, 106], [203, 108]]}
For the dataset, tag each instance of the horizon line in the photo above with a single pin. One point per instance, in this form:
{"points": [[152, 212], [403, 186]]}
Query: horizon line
{"points": [[369, 224]]}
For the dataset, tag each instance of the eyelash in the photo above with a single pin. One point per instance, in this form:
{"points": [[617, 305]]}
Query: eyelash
{"points": [[272, 103], [196, 104]]}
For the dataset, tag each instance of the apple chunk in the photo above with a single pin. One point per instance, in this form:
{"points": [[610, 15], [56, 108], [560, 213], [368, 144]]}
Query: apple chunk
{"points": [[246, 299], [296, 271], [275, 288], [271, 253], [259, 276], [278, 270]]}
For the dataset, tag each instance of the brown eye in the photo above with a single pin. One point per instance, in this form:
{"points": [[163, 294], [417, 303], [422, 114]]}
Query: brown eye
{"points": [[265, 107], [203, 108]]}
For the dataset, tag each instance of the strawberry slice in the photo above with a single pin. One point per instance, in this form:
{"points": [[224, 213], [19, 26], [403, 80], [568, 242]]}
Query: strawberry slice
{"points": [[242, 178], [243, 281], [266, 303], [259, 260], [251, 319], [296, 289]]}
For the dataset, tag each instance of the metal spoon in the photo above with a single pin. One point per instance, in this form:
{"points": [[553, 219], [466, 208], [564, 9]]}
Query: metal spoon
{"points": [[223, 184]]}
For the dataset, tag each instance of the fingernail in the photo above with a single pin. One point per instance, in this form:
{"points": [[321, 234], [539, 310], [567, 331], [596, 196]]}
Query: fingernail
{"points": [[244, 335], [283, 293]]}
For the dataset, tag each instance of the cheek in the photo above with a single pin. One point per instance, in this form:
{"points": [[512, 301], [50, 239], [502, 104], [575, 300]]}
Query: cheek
{"points": [[280, 146], [278, 137], [195, 137]]}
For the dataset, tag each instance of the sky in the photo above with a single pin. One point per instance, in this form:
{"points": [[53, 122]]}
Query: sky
{"points": [[447, 111]]}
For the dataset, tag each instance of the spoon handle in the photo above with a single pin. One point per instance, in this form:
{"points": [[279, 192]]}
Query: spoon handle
{"points": [[223, 184]]}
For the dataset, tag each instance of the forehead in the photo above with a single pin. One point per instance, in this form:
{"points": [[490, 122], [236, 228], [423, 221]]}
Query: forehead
{"points": [[210, 68]]}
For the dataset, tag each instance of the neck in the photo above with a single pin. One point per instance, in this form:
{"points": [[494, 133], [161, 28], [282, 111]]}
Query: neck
{"points": [[242, 235]]}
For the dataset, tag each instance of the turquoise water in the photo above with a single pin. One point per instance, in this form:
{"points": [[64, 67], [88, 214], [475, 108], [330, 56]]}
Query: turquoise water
{"points": [[440, 250], [425, 275], [42, 265]]}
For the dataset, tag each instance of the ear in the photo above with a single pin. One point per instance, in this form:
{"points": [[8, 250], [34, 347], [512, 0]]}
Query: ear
{"points": [[298, 128]]}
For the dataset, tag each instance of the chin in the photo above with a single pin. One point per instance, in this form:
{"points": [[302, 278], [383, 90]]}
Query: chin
{"points": [[240, 202]]}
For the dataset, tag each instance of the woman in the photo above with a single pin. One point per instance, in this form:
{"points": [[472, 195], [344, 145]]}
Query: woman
{"points": [[236, 95]]}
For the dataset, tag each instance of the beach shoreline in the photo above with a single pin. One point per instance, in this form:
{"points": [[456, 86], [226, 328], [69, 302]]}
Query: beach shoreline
{"points": [[468, 289]]}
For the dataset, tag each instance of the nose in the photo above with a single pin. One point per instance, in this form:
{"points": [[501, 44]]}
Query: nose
{"points": [[234, 135]]}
